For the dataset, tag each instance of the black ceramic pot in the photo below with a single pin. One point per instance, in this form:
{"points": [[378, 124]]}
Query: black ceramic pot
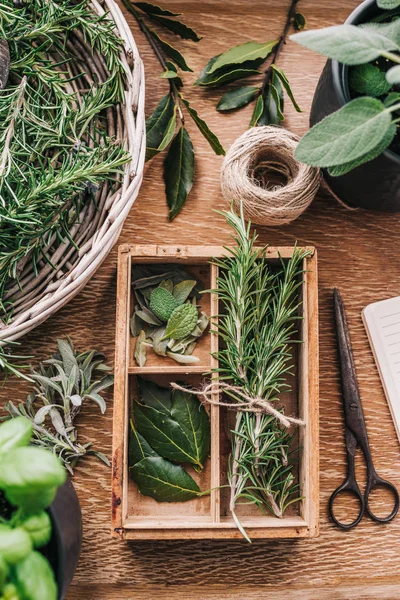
{"points": [[65, 546], [376, 184]]}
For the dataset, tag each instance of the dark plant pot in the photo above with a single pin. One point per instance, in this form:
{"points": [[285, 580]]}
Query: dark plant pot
{"points": [[376, 184], [65, 546]]}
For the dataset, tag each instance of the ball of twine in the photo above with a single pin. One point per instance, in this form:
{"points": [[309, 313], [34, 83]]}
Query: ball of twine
{"points": [[260, 171]]}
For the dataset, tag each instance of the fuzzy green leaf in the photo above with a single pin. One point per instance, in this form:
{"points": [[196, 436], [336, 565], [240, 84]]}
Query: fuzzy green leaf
{"points": [[153, 9], [183, 289], [390, 30], [258, 111], [392, 98], [157, 124], [388, 4], [299, 21], [348, 44], [368, 80], [140, 349], [164, 481], [346, 135], [237, 98], [393, 75], [285, 82], [242, 53], [179, 171], [182, 321], [205, 130], [177, 27], [345, 168], [172, 53]]}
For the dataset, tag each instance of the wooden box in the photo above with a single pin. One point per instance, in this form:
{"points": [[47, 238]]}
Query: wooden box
{"points": [[138, 517]]}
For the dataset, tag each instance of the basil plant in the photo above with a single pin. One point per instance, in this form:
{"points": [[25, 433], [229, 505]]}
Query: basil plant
{"points": [[368, 124], [29, 479]]}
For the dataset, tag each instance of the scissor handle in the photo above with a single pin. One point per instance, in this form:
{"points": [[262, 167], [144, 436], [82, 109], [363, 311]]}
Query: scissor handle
{"points": [[349, 486], [374, 481]]}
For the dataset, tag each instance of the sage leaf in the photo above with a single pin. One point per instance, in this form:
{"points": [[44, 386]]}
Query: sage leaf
{"points": [[172, 53], [388, 4], [393, 75], [205, 130], [182, 321], [183, 359], [136, 323], [157, 124], [177, 27], [237, 98], [67, 355], [182, 290], [153, 9], [140, 349], [164, 481], [285, 82], [138, 447], [159, 343], [346, 135], [390, 30], [258, 111], [392, 98], [242, 53], [348, 44], [179, 171], [368, 80], [299, 21], [148, 317], [345, 168]]}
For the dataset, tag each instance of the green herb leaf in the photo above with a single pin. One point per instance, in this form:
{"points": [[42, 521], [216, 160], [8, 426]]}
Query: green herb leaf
{"points": [[179, 171], [348, 44], [177, 27], [172, 53], [160, 344], [140, 349], [34, 578], [138, 447], [148, 317], [345, 168], [285, 82], [163, 481], [237, 98], [15, 433], [228, 73], [368, 80], [393, 75], [392, 98], [194, 421], [169, 75], [183, 289], [168, 134], [346, 135], [153, 9], [299, 21], [390, 30], [182, 321], [183, 358], [205, 130], [258, 111], [155, 396], [157, 124], [242, 53], [388, 4]]}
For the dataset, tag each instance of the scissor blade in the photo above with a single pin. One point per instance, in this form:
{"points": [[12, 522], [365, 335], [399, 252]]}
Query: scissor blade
{"points": [[353, 413]]}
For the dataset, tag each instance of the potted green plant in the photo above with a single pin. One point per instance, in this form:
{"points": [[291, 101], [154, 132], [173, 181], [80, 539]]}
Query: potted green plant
{"points": [[30, 545], [355, 134]]}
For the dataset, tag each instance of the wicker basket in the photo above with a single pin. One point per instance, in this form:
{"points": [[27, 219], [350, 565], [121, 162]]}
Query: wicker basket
{"points": [[42, 293]]}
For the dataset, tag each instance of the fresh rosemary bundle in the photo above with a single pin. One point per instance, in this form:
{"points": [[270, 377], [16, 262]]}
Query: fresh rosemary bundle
{"points": [[259, 311], [54, 145]]}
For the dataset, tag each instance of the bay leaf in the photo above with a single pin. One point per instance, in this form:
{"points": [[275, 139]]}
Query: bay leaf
{"points": [[177, 27], [138, 447], [226, 75], [205, 130], [237, 98], [153, 9], [258, 111], [346, 135], [168, 133], [285, 82], [157, 124], [194, 420], [299, 21], [349, 44], [179, 171], [164, 481], [244, 52], [154, 396], [182, 290], [172, 53]]}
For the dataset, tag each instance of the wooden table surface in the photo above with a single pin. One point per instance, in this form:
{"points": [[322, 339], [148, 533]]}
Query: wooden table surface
{"points": [[358, 252]]}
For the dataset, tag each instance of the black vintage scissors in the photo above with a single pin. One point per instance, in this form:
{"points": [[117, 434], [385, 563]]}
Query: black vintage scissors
{"points": [[356, 431]]}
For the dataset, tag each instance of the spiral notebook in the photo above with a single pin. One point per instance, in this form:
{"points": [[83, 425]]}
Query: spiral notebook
{"points": [[382, 322]]}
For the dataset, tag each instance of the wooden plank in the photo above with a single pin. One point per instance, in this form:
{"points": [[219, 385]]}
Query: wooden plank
{"points": [[215, 410]]}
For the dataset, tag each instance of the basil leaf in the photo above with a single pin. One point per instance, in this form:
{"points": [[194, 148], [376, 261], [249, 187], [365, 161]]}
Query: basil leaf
{"points": [[15, 433], [34, 578], [163, 481], [368, 80], [345, 168], [285, 82], [258, 111], [348, 44], [172, 53], [157, 124], [388, 4], [346, 135], [153, 9], [242, 53], [237, 98], [205, 130], [393, 75], [177, 27], [138, 447], [179, 171]]}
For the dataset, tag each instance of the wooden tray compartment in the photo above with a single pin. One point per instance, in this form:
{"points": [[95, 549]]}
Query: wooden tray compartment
{"points": [[138, 517]]}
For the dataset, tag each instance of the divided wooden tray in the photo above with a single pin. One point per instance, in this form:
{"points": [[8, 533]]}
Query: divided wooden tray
{"points": [[138, 517]]}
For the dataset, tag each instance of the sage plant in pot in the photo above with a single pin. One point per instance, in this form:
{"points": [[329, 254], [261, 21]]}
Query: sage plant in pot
{"points": [[355, 133]]}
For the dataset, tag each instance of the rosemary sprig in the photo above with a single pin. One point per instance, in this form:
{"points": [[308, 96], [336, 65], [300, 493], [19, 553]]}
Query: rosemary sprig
{"points": [[260, 308], [62, 384]]}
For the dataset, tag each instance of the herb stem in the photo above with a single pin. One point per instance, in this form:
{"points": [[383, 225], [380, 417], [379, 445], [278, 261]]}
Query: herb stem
{"points": [[391, 56], [280, 44]]}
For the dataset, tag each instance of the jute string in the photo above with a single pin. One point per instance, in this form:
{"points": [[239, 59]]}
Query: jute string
{"points": [[250, 404], [250, 171]]}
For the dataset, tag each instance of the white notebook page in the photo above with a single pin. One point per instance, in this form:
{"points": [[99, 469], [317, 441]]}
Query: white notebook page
{"points": [[382, 322]]}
